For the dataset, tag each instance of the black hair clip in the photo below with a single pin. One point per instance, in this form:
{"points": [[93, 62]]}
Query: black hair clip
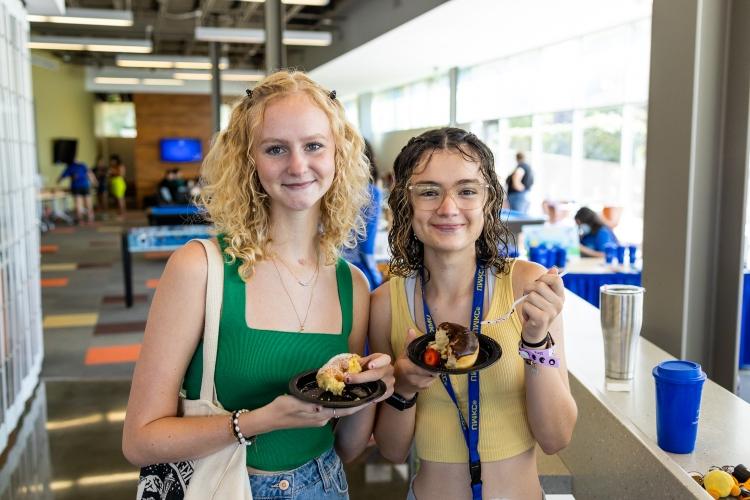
{"points": [[332, 95], [249, 92]]}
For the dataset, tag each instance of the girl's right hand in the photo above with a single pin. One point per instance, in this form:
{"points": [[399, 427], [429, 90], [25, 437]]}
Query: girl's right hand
{"points": [[288, 412], [410, 378]]}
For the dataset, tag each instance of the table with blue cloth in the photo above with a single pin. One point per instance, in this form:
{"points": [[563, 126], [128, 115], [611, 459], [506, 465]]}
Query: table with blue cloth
{"points": [[586, 285], [154, 239], [172, 215], [586, 276]]}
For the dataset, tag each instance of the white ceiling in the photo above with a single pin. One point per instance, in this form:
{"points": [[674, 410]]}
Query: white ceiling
{"points": [[467, 32]]}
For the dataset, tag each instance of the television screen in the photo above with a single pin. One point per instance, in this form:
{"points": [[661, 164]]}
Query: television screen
{"points": [[180, 149], [64, 150]]}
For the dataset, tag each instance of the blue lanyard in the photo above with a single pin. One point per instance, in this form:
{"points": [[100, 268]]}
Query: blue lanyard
{"points": [[471, 432]]}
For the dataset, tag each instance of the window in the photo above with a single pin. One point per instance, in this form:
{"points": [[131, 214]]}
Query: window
{"points": [[422, 104], [352, 112], [557, 132], [114, 119], [602, 134]]}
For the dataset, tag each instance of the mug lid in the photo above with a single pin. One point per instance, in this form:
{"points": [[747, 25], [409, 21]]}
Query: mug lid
{"points": [[679, 371], [621, 289]]}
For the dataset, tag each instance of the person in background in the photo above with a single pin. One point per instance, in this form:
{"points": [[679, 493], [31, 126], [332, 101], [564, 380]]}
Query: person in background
{"points": [[363, 255], [595, 235], [285, 185], [101, 173], [164, 193], [519, 184], [81, 180], [449, 265], [117, 184], [178, 187]]}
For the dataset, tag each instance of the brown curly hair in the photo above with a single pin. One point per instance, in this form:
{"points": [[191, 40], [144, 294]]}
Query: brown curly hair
{"points": [[408, 252], [234, 198]]}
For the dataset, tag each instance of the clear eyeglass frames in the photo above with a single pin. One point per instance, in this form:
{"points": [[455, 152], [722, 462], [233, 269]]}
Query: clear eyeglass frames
{"points": [[466, 195]]}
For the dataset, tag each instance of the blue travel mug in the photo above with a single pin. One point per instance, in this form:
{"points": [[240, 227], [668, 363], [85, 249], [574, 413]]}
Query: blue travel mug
{"points": [[631, 254], [679, 385], [534, 254], [543, 255], [609, 253], [561, 257], [621, 254]]}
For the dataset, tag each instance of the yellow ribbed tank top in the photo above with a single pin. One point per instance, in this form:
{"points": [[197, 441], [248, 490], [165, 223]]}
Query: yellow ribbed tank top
{"points": [[503, 427]]}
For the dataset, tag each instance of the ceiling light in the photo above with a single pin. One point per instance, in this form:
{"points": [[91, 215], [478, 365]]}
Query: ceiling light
{"points": [[96, 17], [230, 35], [318, 3], [89, 44], [168, 62], [313, 38], [242, 76], [56, 46], [192, 76], [232, 75], [111, 80], [250, 35], [162, 81]]}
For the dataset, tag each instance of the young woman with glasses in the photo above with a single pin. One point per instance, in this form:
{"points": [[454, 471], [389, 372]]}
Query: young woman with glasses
{"points": [[449, 245]]}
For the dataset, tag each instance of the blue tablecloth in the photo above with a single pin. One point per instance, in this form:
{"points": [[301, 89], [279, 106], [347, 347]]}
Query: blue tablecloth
{"points": [[587, 286]]}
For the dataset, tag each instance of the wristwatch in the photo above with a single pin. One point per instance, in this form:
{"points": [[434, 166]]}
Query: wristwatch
{"points": [[401, 403]]}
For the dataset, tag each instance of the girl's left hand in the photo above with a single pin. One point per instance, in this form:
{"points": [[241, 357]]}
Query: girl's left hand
{"points": [[544, 303], [376, 366]]}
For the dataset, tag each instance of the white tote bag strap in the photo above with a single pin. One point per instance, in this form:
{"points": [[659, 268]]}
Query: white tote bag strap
{"points": [[214, 292]]}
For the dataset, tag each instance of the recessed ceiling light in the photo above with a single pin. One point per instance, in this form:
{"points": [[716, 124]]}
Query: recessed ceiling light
{"points": [[95, 17]]}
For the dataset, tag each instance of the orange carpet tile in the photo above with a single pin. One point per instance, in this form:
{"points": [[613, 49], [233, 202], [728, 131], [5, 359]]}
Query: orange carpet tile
{"points": [[152, 283], [54, 282], [113, 354], [49, 248]]}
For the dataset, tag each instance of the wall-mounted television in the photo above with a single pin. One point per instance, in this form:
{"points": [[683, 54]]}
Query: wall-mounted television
{"points": [[64, 150], [180, 149]]}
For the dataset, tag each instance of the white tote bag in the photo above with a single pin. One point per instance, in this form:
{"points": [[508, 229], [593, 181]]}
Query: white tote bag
{"points": [[223, 474]]}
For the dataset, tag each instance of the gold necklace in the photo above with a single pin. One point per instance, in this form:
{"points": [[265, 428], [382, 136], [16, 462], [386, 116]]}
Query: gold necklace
{"points": [[299, 281], [309, 303]]}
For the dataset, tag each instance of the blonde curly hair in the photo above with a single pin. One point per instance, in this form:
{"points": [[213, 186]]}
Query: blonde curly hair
{"points": [[234, 198]]}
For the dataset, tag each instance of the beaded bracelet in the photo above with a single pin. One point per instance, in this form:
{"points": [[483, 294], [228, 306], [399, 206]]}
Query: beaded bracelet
{"points": [[247, 441]]}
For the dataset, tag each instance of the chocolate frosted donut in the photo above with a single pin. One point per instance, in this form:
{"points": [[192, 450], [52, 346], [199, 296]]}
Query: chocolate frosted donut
{"points": [[463, 341], [457, 345]]}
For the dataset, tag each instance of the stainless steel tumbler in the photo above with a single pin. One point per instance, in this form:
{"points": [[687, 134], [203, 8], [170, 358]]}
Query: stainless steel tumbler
{"points": [[621, 309]]}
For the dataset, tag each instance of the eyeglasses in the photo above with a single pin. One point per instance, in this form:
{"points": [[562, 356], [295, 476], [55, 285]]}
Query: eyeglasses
{"points": [[466, 195]]}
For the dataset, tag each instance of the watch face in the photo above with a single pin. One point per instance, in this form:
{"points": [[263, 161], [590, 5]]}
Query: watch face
{"points": [[489, 352], [305, 387]]}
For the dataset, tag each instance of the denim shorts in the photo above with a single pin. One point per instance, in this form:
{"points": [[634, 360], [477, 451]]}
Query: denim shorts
{"points": [[322, 478]]}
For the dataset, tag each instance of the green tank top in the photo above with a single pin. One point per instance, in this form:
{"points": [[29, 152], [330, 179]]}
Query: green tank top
{"points": [[254, 366]]}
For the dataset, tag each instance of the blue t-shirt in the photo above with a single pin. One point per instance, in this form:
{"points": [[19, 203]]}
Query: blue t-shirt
{"points": [[79, 175], [599, 240]]}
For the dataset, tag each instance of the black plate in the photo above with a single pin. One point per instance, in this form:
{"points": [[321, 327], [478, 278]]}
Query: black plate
{"points": [[304, 387], [489, 352]]}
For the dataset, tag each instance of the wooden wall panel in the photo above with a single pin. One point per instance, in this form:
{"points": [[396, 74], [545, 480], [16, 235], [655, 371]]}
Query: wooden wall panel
{"points": [[166, 115]]}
